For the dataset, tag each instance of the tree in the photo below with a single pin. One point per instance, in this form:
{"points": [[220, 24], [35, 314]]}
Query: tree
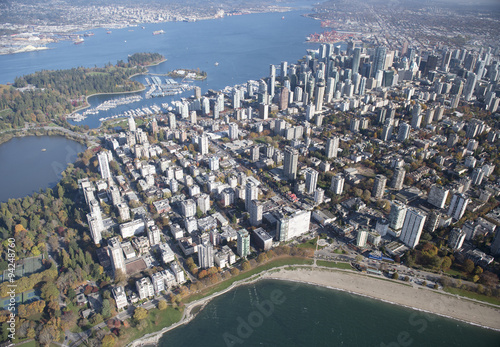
{"points": [[468, 266], [262, 258], [246, 266], [162, 305], [106, 309], [120, 277], [108, 341], [446, 264], [234, 271], [49, 291], [140, 313], [395, 275]]}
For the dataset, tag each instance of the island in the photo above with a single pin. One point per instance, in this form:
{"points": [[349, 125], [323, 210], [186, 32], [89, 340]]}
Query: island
{"points": [[188, 74]]}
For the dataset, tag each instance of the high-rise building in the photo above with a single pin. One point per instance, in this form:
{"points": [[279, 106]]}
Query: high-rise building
{"points": [[243, 243], [116, 254], [203, 144], [188, 208], [311, 180], [172, 122], [379, 59], [319, 196], [337, 185], [332, 147], [290, 163], [205, 255], [470, 85], [437, 196], [104, 165], [477, 176], [96, 227], [203, 203], [153, 235], [397, 215], [398, 178], [251, 193], [320, 95], [131, 124], [213, 163], [456, 239], [458, 206], [387, 132], [379, 186], [123, 211], [356, 59], [256, 209], [291, 225], [412, 227], [283, 102], [233, 131], [362, 238], [255, 153], [404, 132]]}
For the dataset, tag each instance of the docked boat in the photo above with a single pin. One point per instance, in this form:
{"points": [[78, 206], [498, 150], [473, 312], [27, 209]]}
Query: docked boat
{"points": [[78, 40], [158, 32]]}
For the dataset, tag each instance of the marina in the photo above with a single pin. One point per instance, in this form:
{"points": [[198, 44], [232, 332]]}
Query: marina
{"points": [[105, 106]]}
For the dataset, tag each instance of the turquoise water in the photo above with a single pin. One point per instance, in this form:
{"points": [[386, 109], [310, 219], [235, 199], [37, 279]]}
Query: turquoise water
{"points": [[305, 315]]}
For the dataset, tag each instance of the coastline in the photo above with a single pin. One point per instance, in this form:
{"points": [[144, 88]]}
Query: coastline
{"points": [[390, 291]]}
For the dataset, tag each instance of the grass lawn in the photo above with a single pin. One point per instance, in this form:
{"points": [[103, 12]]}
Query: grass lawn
{"points": [[29, 344], [269, 265], [453, 272], [332, 264], [472, 295], [309, 244], [156, 321]]}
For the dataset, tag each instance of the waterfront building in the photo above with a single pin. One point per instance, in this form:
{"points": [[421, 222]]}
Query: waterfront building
{"points": [[243, 243], [292, 224], [412, 227]]}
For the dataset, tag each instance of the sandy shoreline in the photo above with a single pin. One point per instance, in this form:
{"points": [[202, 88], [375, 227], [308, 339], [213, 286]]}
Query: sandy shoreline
{"points": [[415, 297]]}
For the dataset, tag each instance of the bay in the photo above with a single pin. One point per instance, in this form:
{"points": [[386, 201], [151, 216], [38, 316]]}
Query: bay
{"points": [[243, 46], [305, 315], [26, 169]]}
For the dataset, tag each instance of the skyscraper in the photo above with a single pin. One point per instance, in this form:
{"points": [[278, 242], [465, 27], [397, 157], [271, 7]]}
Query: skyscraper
{"points": [[320, 95], [203, 144], [404, 132], [356, 59], [251, 193], [311, 180], [458, 206], [470, 85], [379, 59], [131, 124], [397, 215], [337, 185], [412, 227], [256, 209], [379, 186], [205, 255], [332, 146], [398, 178], [116, 254], [104, 165], [290, 163], [243, 246], [437, 196], [233, 131]]}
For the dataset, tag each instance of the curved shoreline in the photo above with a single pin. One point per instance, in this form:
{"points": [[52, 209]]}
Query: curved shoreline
{"points": [[297, 276]]}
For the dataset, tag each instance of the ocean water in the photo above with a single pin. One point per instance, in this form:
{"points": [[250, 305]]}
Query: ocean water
{"points": [[274, 313]]}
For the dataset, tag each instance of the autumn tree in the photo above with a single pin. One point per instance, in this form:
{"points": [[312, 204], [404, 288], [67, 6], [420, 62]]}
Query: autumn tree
{"points": [[140, 313]]}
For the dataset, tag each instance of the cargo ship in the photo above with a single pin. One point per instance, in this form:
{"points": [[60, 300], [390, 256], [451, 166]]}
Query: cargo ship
{"points": [[158, 32]]}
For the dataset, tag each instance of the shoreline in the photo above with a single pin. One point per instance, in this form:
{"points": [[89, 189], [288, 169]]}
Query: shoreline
{"points": [[441, 303]]}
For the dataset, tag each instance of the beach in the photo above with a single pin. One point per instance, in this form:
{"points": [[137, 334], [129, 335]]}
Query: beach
{"points": [[415, 297]]}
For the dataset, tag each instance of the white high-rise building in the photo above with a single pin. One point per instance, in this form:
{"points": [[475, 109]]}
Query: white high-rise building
{"points": [[153, 235], [437, 196], [233, 131], [203, 202], [398, 178], [379, 186], [116, 254], [291, 225], [290, 163], [213, 163], [188, 208], [104, 165], [203, 144], [131, 124], [412, 227], [206, 255], [458, 206], [337, 186], [96, 227], [251, 193], [311, 180], [332, 147], [256, 209], [397, 215]]}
